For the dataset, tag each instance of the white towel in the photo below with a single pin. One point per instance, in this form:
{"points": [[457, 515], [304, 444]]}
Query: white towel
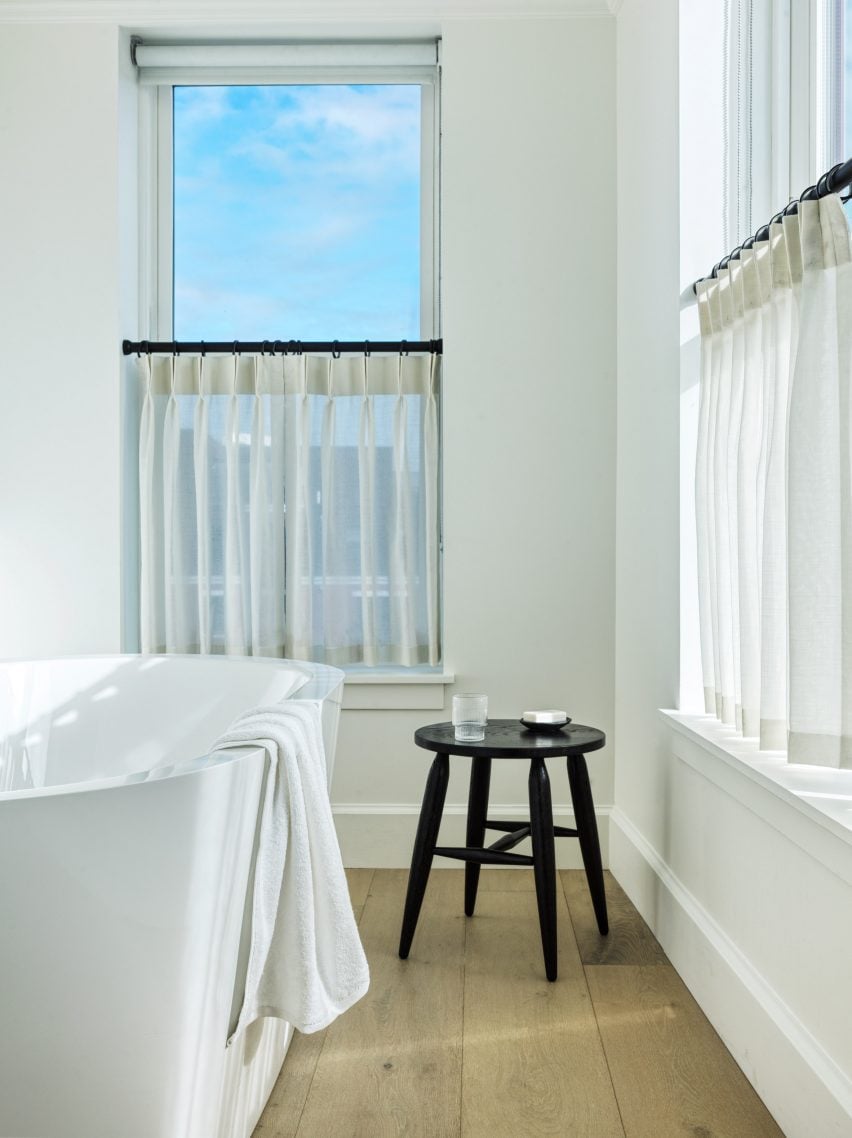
{"points": [[306, 962]]}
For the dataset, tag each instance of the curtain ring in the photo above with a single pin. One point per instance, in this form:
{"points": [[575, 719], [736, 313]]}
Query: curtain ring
{"points": [[146, 347], [827, 177], [367, 349], [298, 347], [203, 350], [174, 348], [234, 347], [403, 348], [275, 344], [823, 187], [335, 350]]}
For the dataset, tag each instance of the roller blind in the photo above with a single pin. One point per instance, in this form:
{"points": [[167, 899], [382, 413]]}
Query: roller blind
{"points": [[160, 64]]}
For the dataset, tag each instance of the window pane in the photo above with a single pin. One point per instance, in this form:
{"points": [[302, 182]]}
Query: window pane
{"points": [[297, 212]]}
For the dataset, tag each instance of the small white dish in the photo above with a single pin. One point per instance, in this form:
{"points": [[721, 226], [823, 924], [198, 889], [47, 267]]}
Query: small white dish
{"points": [[551, 718], [549, 722]]}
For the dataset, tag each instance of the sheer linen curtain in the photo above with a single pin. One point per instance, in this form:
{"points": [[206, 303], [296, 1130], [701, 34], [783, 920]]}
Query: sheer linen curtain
{"points": [[289, 507], [773, 488]]}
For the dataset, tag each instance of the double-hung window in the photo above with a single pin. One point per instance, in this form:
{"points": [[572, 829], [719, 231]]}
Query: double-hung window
{"points": [[289, 498]]}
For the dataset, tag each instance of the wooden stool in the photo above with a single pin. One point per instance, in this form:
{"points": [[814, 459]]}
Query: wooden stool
{"points": [[508, 739]]}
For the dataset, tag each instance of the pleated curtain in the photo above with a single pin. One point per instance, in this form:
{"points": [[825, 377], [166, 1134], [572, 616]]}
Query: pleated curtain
{"points": [[289, 507], [773, 488]]}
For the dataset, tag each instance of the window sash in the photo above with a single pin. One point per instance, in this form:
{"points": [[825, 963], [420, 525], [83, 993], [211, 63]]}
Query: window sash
{"points": [[784, 67], [379, 64]]}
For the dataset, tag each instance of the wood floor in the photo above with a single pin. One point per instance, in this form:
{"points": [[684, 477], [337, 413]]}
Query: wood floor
{"points": [[466, 1039]]}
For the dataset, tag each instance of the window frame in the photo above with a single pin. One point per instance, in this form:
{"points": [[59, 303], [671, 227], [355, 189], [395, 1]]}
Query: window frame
{"points": [[814, 51], [156, 252], [784, 102]]}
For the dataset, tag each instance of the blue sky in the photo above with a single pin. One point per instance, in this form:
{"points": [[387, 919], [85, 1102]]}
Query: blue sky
{"points": [[297, 212]]}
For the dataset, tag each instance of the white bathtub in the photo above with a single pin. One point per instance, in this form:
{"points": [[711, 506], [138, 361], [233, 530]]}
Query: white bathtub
{"points": [[126, 859]]}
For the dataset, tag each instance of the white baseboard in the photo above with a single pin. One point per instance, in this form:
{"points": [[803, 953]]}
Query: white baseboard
{"points": [[804, 1089], [381, 836]]}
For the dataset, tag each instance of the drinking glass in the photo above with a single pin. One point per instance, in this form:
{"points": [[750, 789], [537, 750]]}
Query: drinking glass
{"points": [[470, 714]]}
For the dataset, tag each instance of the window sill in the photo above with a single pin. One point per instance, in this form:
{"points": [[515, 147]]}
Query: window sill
{"points": [[389, 689], [812, 806]]}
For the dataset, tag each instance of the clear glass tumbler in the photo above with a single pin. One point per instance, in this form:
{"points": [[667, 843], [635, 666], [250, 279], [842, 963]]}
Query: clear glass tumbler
{"points": [[470, 714]]}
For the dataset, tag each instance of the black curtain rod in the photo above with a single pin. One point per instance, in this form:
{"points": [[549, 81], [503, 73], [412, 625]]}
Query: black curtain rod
{"points": [[837, 179], [280, 347]]}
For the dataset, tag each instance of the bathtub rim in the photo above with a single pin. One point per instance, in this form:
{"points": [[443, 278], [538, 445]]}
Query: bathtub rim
{"points": [[314, 674]]}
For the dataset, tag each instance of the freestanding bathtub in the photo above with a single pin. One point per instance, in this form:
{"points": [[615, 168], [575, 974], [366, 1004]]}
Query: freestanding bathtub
{"points": [[126, 868]]}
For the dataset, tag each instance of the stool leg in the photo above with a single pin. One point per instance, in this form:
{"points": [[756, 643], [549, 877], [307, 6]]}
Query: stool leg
{"points": [[544, 861], [477, 813], [587, 832], [424, 848]]}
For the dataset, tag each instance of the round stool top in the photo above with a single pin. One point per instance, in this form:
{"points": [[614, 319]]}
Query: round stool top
{"points": [[509, 739]]}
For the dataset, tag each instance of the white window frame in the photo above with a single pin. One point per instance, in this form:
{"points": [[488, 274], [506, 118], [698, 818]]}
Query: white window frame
{"points": [[785, 81], [163, 67], [815, 58]]}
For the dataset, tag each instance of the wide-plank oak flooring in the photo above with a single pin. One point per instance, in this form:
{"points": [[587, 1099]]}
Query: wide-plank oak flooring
{"points": [[467, 1039]]}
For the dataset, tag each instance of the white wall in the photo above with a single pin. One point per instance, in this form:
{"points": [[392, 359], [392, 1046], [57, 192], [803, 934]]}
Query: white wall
{"points": [[59, 299], [529, 397], [751, 898], [646, 592], [529, 405]]}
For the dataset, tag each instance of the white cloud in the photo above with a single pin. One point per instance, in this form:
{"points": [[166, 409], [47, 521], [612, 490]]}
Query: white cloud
{"points": [[342, 132], [201, 106]]}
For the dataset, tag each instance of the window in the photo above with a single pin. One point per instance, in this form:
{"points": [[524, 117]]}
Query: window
{"points": [[783, 102], [289, 503], [294, 202]]}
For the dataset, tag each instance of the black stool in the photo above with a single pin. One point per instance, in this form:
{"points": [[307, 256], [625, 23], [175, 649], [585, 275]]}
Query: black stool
{"points": [[508, 739]]}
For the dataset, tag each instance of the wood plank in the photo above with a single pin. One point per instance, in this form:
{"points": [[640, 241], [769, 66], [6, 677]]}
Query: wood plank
{"points": [[629, 941], [281, 1115], [507, 881], [392, 1064], [672, 1074], [359, 881], [533, 1060], [283, 1111]]}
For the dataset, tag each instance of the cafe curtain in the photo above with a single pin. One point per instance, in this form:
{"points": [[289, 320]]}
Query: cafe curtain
{"points": [[289, 506], [773, 488]]}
